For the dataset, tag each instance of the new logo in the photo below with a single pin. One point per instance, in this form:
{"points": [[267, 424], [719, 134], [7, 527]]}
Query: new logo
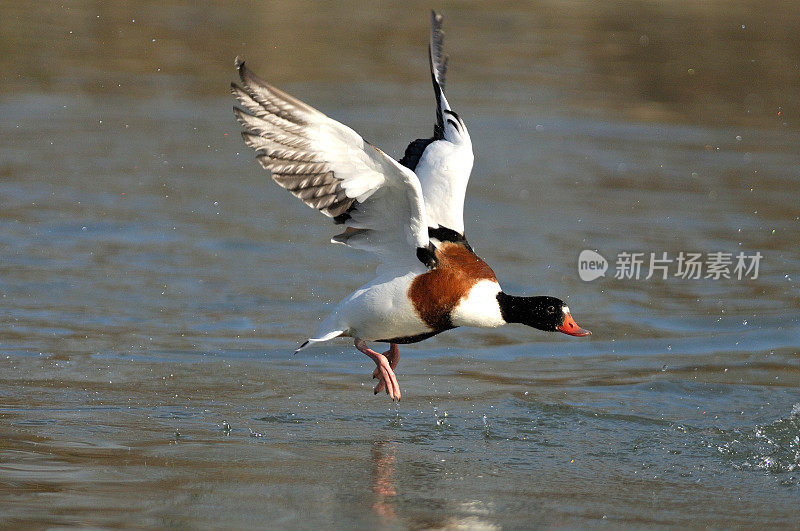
{"points": [[591, 265]]}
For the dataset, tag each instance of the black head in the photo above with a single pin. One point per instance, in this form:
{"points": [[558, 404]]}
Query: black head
{"points": [[545, 313]]}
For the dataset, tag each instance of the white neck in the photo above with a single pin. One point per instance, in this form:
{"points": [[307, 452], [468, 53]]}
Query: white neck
{"points": [[479, 307]]}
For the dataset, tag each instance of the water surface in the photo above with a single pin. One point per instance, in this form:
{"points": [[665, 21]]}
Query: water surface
{"points": [[154, 282]]}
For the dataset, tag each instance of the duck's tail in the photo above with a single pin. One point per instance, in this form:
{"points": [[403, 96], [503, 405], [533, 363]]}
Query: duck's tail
{"points": [[326, 337]]}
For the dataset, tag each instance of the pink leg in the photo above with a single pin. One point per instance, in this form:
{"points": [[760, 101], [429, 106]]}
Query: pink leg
{"points": [[393, 356], [386, 373]]}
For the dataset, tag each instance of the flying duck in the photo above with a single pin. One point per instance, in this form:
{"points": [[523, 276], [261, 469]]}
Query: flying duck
{"points": [[409, 213]]}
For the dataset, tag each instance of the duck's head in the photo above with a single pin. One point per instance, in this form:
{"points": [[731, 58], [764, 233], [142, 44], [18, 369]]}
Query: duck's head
{"points": [[545, 313]]}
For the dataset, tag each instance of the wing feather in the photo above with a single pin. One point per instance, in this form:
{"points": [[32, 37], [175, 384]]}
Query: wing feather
{"points": [[443, 162], [331, 168]]}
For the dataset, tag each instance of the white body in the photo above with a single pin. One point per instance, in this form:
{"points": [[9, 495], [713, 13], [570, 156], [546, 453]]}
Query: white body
{"points": [[378, 310], [381, 309]]}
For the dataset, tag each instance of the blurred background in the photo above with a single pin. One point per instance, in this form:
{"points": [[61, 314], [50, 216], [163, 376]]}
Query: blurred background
{"points": [[154, 281]]}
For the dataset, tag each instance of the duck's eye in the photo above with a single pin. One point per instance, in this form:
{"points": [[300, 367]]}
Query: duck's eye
{"points": [[551, 309]]}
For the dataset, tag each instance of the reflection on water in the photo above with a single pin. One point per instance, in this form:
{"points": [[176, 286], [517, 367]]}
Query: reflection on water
{"points": [[153, 282], [383, 456]]}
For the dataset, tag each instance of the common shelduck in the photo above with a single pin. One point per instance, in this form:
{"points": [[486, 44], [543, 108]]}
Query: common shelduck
{"points": [[408, 213]]}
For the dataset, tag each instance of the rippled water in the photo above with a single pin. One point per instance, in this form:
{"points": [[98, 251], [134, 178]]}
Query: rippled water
{"points": [[154, 282]]}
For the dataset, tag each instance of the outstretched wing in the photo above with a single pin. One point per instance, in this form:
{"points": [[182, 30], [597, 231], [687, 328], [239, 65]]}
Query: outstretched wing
{"points": [[443, 162], [331, 168]]}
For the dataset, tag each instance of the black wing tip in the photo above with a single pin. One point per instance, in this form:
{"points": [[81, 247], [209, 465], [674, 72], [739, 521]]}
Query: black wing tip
{"points": [[438, 64], [446, 234], [244, 73], [427, 255], [415, 150], [436, 47], [247, 76]]}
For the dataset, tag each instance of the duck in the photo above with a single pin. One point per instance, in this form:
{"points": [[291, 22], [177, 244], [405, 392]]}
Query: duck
{"points": [[408, 213]]}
